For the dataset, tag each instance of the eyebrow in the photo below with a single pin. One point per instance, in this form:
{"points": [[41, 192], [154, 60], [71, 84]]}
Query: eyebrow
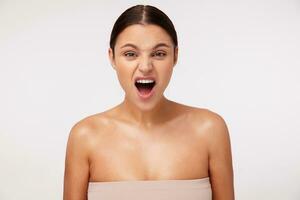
{"points": [[156, 46]]}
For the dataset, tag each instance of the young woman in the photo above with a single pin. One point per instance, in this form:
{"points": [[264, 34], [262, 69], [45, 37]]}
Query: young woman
{"points": [[148, 147]]}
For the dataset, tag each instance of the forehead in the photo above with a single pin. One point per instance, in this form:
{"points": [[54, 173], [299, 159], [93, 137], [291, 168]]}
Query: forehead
{"points": [[144, 36]]}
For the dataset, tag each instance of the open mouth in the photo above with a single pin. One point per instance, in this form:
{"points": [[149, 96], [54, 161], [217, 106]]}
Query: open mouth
{"points": [[145, 86]]}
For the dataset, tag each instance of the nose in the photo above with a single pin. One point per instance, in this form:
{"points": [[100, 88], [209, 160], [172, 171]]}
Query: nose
{"points": [[145, 65]]}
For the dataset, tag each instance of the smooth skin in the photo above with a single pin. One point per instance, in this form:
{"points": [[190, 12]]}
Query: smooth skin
{"points": [[156, 139]]}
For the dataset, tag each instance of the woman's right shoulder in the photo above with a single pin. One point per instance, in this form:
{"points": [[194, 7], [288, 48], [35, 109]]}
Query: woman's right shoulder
{"points": [[80, 145], [90, 126]]}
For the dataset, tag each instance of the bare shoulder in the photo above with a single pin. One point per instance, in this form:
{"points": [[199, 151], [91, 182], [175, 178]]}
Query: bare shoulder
{"points": [[80, 144], [81, 137], [206, 121], [212, 122], [214, 128], [87, 128]]}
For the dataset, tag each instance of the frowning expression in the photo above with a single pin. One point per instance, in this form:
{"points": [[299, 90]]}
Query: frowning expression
{"points": [[144, 51]]}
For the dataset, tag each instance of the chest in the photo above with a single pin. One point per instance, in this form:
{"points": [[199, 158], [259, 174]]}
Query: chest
{"points": [[165, 154]]}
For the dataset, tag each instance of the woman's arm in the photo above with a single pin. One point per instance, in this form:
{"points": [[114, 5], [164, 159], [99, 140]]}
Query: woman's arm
{"points": [[76, 175], [220, 160]]}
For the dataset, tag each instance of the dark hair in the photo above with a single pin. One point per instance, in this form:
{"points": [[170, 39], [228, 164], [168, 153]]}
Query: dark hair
{"points": [[142, 14]]}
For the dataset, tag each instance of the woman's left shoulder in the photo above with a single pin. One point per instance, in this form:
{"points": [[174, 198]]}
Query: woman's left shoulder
{"points": [[212, 118], [208, 121]]}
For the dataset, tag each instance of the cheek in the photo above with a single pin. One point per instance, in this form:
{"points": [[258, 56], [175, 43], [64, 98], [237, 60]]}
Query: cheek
{"points": [[124, 73], [166, 67], [165, 72], [168, 73], [123, 77]]}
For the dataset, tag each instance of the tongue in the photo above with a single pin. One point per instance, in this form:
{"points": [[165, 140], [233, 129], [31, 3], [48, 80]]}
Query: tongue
{"points": [[145, 91]]}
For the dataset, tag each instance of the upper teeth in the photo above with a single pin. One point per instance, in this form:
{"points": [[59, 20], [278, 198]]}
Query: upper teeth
{"points": [[145, 81]]}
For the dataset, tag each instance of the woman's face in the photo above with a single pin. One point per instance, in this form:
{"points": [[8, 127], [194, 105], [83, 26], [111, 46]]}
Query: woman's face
{"points": [[144, 51]]}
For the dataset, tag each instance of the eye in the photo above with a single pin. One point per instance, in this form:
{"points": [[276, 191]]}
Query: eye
{"points": [[160, 54], [129, 54]]}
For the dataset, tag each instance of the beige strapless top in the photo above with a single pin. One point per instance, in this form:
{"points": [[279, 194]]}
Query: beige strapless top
{"points": [[184, 189]]}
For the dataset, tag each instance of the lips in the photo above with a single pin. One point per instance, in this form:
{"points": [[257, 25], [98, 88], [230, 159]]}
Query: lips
{"points": [[145, 88]]}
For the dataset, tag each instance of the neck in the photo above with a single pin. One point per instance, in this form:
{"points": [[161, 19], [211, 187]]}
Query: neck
{"points": [[145, 118]]}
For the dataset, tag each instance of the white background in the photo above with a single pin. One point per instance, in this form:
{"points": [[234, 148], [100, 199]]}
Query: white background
{"points": [[240, 59]]}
